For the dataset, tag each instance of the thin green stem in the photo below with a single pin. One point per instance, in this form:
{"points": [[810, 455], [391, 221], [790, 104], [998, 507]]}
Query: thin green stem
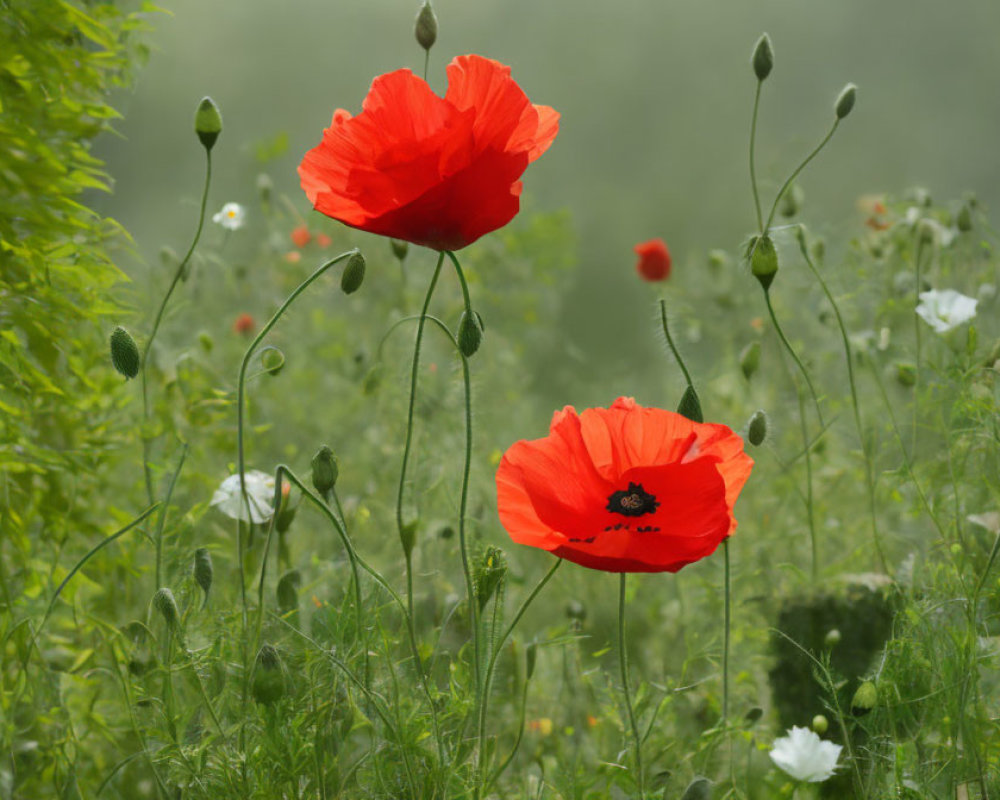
{"points": [[147, 470], [726, 634], [917, 334], [670, 342], [162, 520], [753, 171], [795, 174], [623, 665], [795, 358], [810, 507], [414, 372]]}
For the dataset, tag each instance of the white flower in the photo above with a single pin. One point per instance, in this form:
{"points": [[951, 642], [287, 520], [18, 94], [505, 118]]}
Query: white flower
{"points": [[260, 496], [232, 216], [945, 310], [804, 756]]}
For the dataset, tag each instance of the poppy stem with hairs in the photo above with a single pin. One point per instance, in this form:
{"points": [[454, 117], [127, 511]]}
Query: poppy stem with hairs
{"points": [[753, 171], [623, 664]]}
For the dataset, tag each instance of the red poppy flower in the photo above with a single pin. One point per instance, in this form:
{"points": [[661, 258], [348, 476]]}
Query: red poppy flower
{"points": [[435, 171], [301, 236], [244, 324], [623, 489], [654, 260]]}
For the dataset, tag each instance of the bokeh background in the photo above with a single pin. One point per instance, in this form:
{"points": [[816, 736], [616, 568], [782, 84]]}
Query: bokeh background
{"points": [[655, 100]]}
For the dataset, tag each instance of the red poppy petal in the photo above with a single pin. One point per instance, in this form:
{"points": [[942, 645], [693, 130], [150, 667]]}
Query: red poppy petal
{"points": [[548, 127]]}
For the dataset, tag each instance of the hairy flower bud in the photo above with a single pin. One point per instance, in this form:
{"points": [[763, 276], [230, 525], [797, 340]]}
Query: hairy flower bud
{"points": [[845, 101], [864, 699], [354, 274], [203, 571], [470, 333], [427, 26], [268, 677], [750, 359], [208, 122], [164, 602], [489, 574], [791, 200], [288, 591], [124, 353], [763, 259], [690, 405], [757, 428], [399, 249], [763, 57], [325, 470]]}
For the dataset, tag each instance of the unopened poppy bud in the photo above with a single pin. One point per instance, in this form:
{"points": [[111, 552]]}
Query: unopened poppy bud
{"points": [[166, 605], [288, 591], [354, 274], [399, 249], [964, 221], [763, 259], [325, 470], [490, 574], [203, 571], [208, 122], [832, 638], [757, 428], [575, 610], [470, 333], [372, 380], [408, 538], [531, 658], [272, 361], [750, 359], [699, 789], [285, 518], [268, 679], [820, 724], [791, 200], [763, 57], [864, 699], [124, 353], [690, 405], [845, 101], [427, 26]]}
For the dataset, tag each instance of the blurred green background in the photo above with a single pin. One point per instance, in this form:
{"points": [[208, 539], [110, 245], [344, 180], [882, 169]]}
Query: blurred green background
{"points": [[655, 100]]}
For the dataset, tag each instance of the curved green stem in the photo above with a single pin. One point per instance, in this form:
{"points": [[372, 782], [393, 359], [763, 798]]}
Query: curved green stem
{"points": [[147, 470], [795, 174], [917, 334], [795, 358], [725, 640], [623, 665], [753, 172], [673, 347]]}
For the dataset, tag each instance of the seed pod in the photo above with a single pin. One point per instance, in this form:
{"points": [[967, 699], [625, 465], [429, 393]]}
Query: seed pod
{"points": [[268, 684], [203, 571], [750, 359], [690, 405], [763, 57], [470, 333], [845, 101], [325, 470], [864, 699], [427, 26], [757, 428], [208, 122], [763, 259], [399, 249], [820, 724], [164, 602], [124, 353], [288, 591], [354, 274]]}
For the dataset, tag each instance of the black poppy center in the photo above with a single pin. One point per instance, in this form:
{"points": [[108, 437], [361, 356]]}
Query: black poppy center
{"points": [[633, 502]]}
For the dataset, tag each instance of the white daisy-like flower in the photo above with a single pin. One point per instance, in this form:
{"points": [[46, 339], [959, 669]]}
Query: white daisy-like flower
{"points": [[231, 217], [946, 310], [260, 496], [804, 756]]}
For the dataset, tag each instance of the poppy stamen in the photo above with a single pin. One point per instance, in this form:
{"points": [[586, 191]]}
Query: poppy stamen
{"points": [[633, 502]]}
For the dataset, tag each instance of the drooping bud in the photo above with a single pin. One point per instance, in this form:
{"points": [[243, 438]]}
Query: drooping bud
{"points": [[791, 200], [124, 353], [489, 574], [757, 428], [325, 470], [531, 658], [272, 361], [690, 405], [699, 789], [354, 274], [203, 571], [845, 101], [763, 259], [576, 610], [906, 373], [268, 677], [864, 699], [470, 333], [964, 221], [399, 249], [288, 591], [208, 122], [763, 57], [408, 537], [164, 602], [750, 359], [372, 379], [820, 724], [427, 26]]}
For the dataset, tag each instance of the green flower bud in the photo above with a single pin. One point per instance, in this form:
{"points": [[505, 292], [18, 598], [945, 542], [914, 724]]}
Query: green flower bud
{"points": [[164, 602], [399, 249], [690, 406], [717, 259], [820, 724], [265, 187], [124, 353], [864, 699], [408, 538], [325, 470], [757, 428], [531, 658], [832, 638], [763, 57], [750, 359], [489, 574], [763, 259], [354, 274], [372, 380], [470, 333], [203, 571], [845, 101], [699, 789], [791, 200], [427, 26], [206, 342], [576, 610], [208, 122], [288, 591], [268, 684], [964, 221], [906, 373], [272, 361], [753, 715]]}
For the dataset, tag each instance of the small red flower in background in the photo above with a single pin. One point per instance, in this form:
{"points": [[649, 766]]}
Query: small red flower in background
{"points": [[323, 240], [293, 256], [623, 489], [439, 172], [301, 236], [244, 324], [654, 260]]}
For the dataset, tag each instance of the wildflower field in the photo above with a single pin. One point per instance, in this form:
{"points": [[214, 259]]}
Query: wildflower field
{"points": [[352, 445]]}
